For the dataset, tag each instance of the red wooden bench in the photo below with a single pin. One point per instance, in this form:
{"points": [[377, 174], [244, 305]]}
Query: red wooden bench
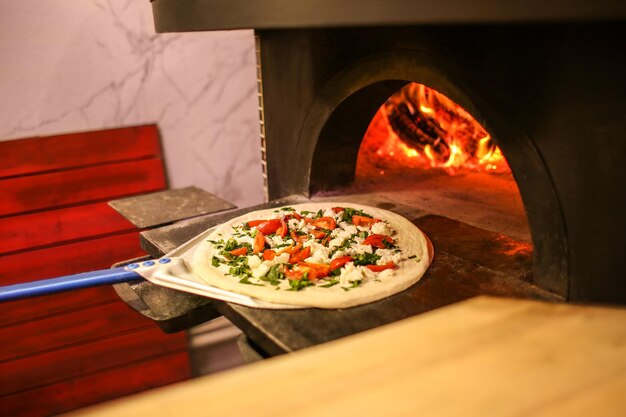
{"points": [[65, 351]]}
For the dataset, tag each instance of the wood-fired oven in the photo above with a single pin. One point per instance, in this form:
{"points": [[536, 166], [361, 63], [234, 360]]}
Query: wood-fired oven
{"points": [[544, 80]]}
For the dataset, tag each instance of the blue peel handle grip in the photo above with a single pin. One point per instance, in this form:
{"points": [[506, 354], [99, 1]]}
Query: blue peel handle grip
{"points": [[67, 283]]}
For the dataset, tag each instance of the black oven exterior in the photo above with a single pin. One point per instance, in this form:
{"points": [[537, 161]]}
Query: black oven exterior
{"points": [[547, 82]]}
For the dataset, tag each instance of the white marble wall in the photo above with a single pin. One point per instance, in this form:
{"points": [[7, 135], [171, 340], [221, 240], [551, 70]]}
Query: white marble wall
{"points": [[77, 65]]}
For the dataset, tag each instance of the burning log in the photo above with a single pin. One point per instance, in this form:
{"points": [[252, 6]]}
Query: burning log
{"points": [[417, 131], [420, 127], [433, 124]]}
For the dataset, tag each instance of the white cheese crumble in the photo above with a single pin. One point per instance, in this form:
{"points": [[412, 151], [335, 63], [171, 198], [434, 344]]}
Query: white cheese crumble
{"points": [[329, 213], [277, 240], [381, 228], [319, 253], [254, 261], [350, 228], [245, 239], [355, 250], [388, 255], [260, 271], [386, 273], [295, 224], [349, 274], [335, 243]]}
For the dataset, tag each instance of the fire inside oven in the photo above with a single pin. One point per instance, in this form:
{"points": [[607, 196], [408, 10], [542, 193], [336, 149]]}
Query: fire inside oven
{"points": [[420, 141], [419, 128]]}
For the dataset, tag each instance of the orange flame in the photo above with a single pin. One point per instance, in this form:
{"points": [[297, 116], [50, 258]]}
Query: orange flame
{"points": [[421, 128]]}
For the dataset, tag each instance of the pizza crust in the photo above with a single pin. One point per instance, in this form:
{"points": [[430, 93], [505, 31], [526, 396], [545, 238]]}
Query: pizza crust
{"points": [[409, 238]]}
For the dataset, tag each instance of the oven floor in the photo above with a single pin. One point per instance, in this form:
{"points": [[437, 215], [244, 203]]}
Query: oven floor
{"points": [[490, 202]]}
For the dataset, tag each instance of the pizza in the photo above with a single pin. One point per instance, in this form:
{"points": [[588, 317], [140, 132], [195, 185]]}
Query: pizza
{"points": [[326, 255]]}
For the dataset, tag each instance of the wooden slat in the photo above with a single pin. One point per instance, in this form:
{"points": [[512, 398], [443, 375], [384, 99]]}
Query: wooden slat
{"points": [[93, 388], [92, 323], [40, 154], [36, 192], [20, 311], [48, 227], [69, 259], [59, 365]]}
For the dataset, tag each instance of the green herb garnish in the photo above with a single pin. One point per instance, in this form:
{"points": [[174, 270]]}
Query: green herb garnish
{"points": [[275, 275], [231, 244], [219, 244], [344, 245], [348, 212], [366, 259], [336, 272], [299, 284], [330, 283], [353, 284], [246, 280]]}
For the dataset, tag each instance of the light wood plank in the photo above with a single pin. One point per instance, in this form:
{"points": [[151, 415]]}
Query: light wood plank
{"points": [[483, 357]]}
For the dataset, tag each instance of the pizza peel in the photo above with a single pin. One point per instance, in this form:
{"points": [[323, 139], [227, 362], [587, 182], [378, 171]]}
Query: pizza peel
{"points": [[172, 271]]}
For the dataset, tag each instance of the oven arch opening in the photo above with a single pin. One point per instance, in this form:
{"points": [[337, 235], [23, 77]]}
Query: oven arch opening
{"points": [[338, 119]]}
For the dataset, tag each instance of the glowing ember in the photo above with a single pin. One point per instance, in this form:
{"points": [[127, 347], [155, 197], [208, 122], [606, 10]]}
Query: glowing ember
{"points": [[421, 128]]}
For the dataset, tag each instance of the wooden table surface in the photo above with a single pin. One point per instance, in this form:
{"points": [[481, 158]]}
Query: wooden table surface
{"points": [[483, 357]]}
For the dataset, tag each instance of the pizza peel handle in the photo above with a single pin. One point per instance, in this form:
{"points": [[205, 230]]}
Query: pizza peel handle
{"points": [[67, 283]]}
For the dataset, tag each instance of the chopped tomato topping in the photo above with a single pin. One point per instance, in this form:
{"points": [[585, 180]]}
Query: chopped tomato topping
{"points": [[318, 234], [327, 223], [312, 270], [326, 240], [253, 223], [291, 249], [377, 241], [270, 226], [338, 209], [378, 268], [339, 262], [282, 229], [269, 254], [300, 255], [239, 252], [294, 274], [259, 242], [315, 270], [293, 215], [363, 221], [296, 238]]}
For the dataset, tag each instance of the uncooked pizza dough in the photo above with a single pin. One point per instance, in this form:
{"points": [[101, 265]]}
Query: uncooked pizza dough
{"points": [[326, 255]]}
